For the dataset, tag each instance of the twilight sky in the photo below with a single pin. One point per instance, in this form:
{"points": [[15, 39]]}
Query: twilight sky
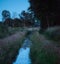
{"points": [[13, 6]]}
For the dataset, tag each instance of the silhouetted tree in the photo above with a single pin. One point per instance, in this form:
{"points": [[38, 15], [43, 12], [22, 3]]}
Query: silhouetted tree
{"points": [[48, 11], [27, 18], [17, 23], [5, 15], [9, 22]]}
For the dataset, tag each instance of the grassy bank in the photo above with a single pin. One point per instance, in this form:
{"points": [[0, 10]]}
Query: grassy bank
{"points": [[6, 31], [9, 52], [53, 33], [40, 53]]}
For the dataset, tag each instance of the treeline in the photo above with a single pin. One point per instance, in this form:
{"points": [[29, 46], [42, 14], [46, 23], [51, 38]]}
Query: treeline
{"points": [[17, 22], [25, 19]]}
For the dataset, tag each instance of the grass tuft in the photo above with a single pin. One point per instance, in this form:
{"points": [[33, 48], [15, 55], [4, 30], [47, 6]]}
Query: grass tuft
{"points": [[39, 53]]}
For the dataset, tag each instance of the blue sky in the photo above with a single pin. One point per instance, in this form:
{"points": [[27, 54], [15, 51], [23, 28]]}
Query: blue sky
{"points": [[13, 6]]}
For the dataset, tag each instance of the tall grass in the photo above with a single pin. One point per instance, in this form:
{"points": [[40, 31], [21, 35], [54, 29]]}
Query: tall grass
{"points": [[7, 31], [10, 51], [3, 31], [39, 53], [53, 33]]}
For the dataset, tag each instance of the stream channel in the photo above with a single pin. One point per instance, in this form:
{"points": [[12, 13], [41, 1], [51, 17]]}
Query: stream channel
{"points": [[23, 56]]}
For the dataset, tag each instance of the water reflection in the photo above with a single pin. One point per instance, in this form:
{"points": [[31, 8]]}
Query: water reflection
{"points": [[23, 56]]}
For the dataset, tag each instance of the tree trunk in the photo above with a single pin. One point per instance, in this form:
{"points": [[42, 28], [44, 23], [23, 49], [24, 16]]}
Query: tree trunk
{"points": [[44, 24]]}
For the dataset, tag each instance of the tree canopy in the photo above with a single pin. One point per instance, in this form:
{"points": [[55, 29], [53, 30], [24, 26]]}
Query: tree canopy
{"points": [[48, 11], [5, 14]]}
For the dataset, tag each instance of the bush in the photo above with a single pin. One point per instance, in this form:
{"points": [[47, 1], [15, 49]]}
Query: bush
{"points": [[40, 53], [53, 33], [3, 30]]}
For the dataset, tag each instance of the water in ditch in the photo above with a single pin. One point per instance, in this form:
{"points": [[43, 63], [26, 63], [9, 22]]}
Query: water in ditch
{"points": [[23, 56]]}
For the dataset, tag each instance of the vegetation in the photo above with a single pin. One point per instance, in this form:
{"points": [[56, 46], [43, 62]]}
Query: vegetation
{"points": [[53, 33], [5, 14], [7, 31], [8, 52], [40, 53], [47, 11], [3, 31], [26, 19]]}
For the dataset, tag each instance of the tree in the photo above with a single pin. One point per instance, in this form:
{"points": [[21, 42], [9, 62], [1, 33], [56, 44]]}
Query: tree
{"points": [[27, 18], [47, 11], [5, 15], [17, 22], [9, 22]]}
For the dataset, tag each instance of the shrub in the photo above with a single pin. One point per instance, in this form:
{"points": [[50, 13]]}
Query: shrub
{"points": [[53, 33]]}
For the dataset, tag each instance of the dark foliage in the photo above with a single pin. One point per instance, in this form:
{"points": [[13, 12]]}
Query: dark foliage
{"points": [[17, 22], [6, 14], [27, 18], [8, 22], [48, 11]]}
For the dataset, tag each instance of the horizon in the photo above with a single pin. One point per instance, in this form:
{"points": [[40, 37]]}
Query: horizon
{"points": [[14, 6]]}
